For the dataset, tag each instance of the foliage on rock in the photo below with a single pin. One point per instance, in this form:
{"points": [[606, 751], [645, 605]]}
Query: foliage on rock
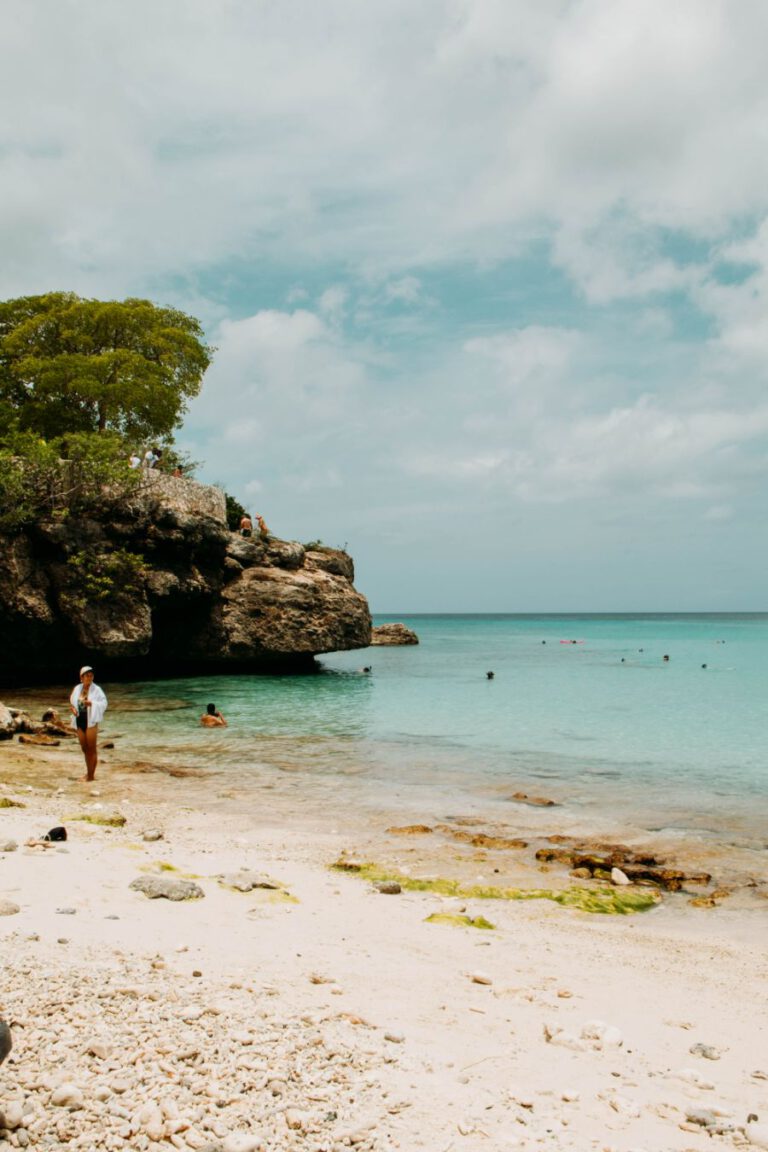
{"points": [[108, 574]]}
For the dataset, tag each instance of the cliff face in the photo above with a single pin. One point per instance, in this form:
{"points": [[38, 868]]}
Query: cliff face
{"points": [[197, 598]]}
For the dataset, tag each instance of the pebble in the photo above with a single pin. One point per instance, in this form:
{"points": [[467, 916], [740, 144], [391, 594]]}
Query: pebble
{"points": [[8, 845], [757, 1135], [480, 978], [8, 908], [241, 1142], [602, 1035], [691, 1076], [66, 911], [67, 1095], [618, 877], [704, 1050], [624, 1106], [394, 1037], [11, 1114], [554, 1034], [151, 835]]}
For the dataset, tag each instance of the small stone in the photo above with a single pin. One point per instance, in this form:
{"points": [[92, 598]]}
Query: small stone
{"points": [[245, 881], [624, 1106], [394, 1037], [480, 978], [388, 888], [602, 1035], [240, 1142], [155, 887], [570, 1095], [8, 908], [11, 1114], [151, 835], [196, 972], [704, 1050], [295, 1120], [66, 911], [554, 1034], [67, 1095], [99, 1048], [8, 845], [757, 1134], [618, 877], [691, 1076]]}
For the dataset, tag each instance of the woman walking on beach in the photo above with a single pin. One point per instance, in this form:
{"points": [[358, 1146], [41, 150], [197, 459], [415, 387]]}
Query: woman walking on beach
{"points": [[88, 704]]}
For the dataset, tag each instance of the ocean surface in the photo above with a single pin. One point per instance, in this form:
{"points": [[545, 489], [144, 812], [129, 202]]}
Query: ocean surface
{"points": [[582, 709]]}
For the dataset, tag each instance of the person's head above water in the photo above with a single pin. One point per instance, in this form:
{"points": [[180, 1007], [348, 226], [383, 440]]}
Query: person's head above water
{"points": [[211, 709]]}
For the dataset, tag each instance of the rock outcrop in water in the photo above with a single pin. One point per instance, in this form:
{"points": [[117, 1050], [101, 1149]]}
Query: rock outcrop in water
{"points": [[393, 634], [161, 586]]}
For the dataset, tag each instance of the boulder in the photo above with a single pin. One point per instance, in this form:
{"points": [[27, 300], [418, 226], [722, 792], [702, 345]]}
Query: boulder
{"points": [[392, 634], [167, 888]]}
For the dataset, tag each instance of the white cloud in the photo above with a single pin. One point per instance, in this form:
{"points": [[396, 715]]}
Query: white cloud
{"points": [[396, 136], [378, 211]]}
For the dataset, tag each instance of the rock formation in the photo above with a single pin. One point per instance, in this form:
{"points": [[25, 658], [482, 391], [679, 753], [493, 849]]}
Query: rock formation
{"points": [[194, 598], [391, 634]]}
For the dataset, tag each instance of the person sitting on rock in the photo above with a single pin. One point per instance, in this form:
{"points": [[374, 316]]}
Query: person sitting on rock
{"points": [[212, 718]]}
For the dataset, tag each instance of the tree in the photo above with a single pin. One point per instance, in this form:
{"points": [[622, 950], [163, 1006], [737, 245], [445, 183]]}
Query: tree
{"points": [[74, 365]]}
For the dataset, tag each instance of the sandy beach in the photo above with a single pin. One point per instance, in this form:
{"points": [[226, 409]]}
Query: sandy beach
{"points": [[313, 1011]]}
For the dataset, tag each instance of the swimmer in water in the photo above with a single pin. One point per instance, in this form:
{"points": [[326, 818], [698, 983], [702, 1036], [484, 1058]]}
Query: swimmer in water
{"points": [[212, 718]]}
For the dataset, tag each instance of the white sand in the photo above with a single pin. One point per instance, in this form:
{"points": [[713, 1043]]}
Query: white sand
{"points": [[366, 1014]]}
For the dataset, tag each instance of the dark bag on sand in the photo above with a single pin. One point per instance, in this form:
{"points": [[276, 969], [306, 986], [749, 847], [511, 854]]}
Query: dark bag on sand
{"points": [[57, 833]]}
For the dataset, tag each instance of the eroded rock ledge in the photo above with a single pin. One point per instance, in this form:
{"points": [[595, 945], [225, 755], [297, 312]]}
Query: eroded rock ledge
{"points": [[205, 600]]}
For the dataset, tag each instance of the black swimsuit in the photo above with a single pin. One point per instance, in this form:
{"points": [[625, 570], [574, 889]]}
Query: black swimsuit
{"points": [[81, 721]]}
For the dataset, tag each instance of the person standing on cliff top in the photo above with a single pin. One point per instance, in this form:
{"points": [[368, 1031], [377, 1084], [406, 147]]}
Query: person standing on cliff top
{"points": [[88, 705], [246, 525]]}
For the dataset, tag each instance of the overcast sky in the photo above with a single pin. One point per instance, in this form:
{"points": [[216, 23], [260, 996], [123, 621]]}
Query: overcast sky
{"points": [[487, 278]]}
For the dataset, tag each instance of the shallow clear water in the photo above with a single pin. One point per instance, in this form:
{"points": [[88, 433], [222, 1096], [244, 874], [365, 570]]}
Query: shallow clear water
{"points": [[603, 725]]}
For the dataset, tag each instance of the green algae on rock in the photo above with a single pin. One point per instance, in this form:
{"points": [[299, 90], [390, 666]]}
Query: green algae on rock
{"points": [[461, 921], [6, 802], [607, 901], [113, 821]]}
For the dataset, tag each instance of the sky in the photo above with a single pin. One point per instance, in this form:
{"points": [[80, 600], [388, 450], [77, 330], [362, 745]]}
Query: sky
{"points": [[487, 279]]}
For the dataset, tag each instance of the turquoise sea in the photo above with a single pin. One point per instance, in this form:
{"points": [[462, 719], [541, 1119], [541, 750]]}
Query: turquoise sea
{"points": [[582, 710], [618, 737]]}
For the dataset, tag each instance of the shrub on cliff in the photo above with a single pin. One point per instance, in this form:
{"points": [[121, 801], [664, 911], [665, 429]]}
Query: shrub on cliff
{"points": [[57, 478]]}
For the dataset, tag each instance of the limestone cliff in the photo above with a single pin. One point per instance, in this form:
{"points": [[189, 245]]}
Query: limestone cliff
{"points": [[194, 598]]}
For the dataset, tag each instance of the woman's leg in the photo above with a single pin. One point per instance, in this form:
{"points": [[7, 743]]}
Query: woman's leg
{"points": [[83, 738], [91, 751]]}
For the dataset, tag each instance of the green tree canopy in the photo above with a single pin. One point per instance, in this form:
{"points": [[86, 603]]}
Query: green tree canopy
{"points": [[74, 365]]}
